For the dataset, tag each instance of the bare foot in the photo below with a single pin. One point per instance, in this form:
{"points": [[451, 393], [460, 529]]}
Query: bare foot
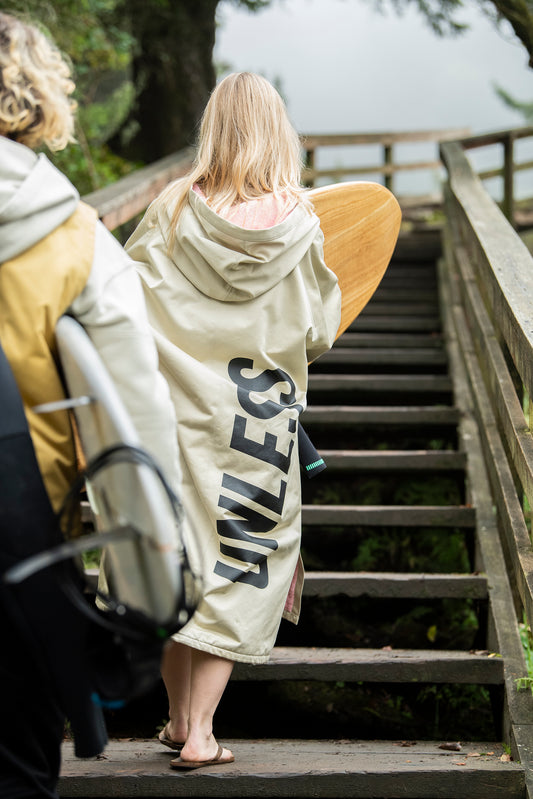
{"points": [[169, 738], [198, 751], [222, 756]]}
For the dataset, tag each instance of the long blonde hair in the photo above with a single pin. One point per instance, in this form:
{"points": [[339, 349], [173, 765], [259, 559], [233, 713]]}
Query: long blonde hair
{"points": [[35, 85], [247, 148]]}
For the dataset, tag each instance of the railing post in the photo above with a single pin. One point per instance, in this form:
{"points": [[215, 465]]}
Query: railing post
{"points": [[508, 177], [387, 160], [309, 163]]}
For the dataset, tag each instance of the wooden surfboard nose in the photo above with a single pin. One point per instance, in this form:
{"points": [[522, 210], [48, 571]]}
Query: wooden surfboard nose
{"points": [[361, 222]]}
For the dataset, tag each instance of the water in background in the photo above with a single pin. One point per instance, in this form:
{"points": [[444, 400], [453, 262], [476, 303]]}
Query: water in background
{"points": [[343, 67]]}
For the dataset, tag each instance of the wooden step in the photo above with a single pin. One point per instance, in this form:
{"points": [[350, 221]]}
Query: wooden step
{"points": [[396, 294], [394, 309], [381, 585], [372, 322], [352, 356], [380, 383], [388, 516], [426, 415], [299, 768], [392, 460], [388, 340], [419, 274], [390, 585], [375, 666]]}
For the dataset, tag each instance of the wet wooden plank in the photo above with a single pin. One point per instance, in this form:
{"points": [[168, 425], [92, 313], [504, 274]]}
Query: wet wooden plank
{"points": [[388, 516], [294, 768], [396, 585]]}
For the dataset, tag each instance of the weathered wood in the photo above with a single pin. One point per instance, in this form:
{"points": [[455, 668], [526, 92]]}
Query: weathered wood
{"points": [[517, 728], [391, 460], [394, 415], [394, 296], [499, 383], [504, 266], [383, 355], [494, 137], [503, 487], [387, 169], [409, 383], [401, 309], [294, 768], [375, 665], [129, 196], [366, 321], [388, 516], [374, 340], [311, 141], [419, 275], [396, 586]]}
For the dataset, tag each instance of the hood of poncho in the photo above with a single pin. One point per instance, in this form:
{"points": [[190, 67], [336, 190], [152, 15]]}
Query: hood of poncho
{"points": [[35, 198], [231, 263]]}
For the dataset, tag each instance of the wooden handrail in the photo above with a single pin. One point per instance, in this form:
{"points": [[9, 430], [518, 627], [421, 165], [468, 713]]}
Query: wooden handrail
{"points": [[494, 137], [505, 138], [492, 272], [122, 201], [311, 141]]}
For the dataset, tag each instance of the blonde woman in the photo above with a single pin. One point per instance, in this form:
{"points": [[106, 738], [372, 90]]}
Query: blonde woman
{"points": [[55, 257], [240, 300]]}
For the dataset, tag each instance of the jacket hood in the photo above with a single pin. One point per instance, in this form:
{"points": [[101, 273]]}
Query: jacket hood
{"points": [[231, 263], [35, 198]]}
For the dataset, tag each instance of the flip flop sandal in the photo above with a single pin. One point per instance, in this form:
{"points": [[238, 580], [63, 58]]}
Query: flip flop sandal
{"points": [[164, 739], [218, 760]]}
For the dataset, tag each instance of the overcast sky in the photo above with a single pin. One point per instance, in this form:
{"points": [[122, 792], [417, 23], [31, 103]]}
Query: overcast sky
{"points": [[344, 67]]}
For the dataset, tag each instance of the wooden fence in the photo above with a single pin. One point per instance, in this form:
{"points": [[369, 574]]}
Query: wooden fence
{"points": [[128, 197], [508, 168], [385, 140]]}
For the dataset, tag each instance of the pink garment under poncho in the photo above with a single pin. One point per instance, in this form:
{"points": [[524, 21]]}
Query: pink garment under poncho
{"points": [[258, 214]]}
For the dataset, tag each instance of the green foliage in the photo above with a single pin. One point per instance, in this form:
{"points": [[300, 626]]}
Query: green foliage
{"points": [[91, 558], [524, 108], [526, 638], [440, 14], [99, 48]]}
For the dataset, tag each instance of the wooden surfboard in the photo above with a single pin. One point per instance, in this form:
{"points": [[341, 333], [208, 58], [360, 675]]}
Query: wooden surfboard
{"points": [[360, 221]]}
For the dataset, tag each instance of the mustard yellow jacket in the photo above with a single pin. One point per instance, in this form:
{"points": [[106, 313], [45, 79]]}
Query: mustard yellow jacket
{"points": [[56, 258]]}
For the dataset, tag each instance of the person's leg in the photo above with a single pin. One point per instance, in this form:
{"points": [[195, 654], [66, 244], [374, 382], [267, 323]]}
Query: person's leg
{"points": [[176, 673], [208, 679]]}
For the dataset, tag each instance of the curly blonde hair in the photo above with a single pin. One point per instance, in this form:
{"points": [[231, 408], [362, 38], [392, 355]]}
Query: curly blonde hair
{"points": [[35, 84]]}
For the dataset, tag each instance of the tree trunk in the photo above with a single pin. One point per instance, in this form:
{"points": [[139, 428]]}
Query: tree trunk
{"points": [[173, 72], [520, 15]]}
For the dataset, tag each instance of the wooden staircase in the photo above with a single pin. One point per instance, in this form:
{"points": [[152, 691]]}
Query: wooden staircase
{"points": [[341, 709]]}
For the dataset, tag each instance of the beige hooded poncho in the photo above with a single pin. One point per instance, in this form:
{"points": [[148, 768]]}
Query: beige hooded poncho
{"points": [[237, 315]]}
